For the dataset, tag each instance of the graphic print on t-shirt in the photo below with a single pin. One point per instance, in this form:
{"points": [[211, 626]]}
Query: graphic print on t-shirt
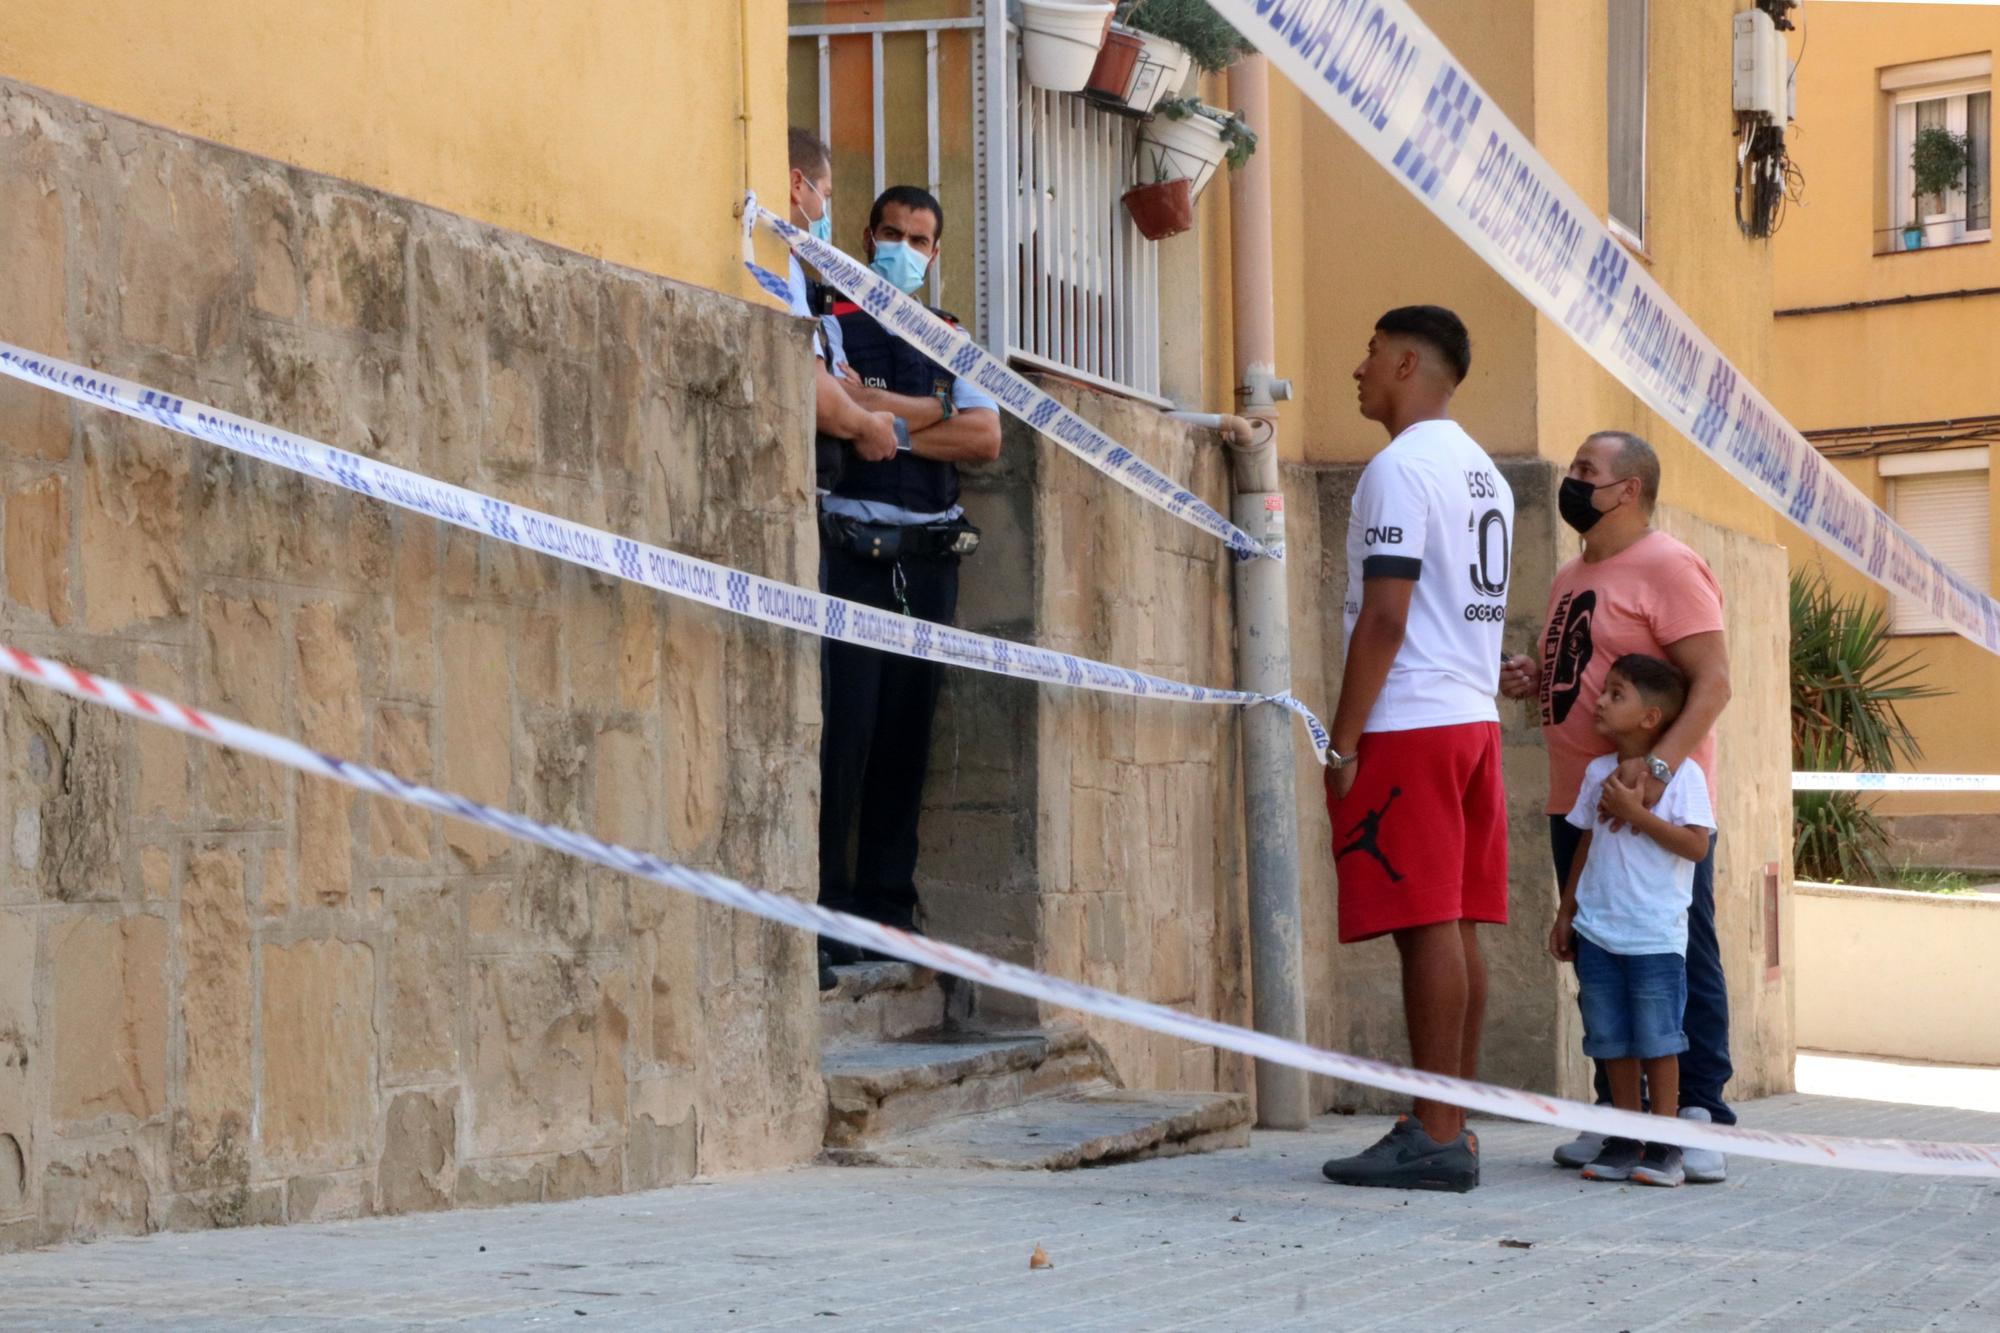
{"points": [[1367, 836], [1566, 654]]}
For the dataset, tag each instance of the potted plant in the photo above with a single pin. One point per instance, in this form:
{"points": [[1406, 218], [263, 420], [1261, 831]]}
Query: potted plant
{"points": [[1165, 206], [1060, 39], [1117, 67], [1937, 166], [1194, 139], [1192, 26], [1179, 36]]}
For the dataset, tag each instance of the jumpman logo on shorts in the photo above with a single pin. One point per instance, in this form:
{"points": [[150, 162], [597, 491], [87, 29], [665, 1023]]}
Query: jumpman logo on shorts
{"points": [[1366, 833]]}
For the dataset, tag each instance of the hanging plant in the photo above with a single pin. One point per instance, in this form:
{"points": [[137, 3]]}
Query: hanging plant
{"points": [[1237, 136], [1208, 37]]}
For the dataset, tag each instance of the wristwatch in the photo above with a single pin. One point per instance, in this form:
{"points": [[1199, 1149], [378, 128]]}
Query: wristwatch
{"points": [[1658, 768], [945, 404], [1335, 759]]}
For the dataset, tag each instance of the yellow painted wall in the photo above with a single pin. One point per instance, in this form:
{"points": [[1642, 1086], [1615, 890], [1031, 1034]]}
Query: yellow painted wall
{"points": [[1918, 362], [1352, 242], [615, 127]]}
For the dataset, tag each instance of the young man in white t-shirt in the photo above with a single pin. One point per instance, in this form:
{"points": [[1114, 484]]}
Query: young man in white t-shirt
{"points": [[1413, 784], [1624, 914]]}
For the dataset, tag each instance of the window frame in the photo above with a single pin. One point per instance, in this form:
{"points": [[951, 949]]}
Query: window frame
{"points": [[1620, 227], [1953, 81], [1907, 617]]}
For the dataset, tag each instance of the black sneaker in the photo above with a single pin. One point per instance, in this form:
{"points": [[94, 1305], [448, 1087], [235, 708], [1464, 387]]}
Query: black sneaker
{"points": [[1615, 1160], [1406, 1158], [1661, 1165], [827, 981]]}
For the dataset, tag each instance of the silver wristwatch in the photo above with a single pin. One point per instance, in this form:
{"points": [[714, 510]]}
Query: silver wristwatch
{"points": [[1335, 759], [1658, 768]]}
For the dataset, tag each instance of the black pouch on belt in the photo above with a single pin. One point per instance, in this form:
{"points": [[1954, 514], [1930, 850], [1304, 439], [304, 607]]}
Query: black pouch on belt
{"points": [[889, 541]]}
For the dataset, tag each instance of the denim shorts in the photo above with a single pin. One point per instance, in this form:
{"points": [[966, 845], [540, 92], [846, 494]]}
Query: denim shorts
{"points": [[1632, 1003]]}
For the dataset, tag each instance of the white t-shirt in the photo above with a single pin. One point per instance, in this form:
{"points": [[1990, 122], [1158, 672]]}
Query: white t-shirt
{"points": [[1433, 507], [1633, 895]]}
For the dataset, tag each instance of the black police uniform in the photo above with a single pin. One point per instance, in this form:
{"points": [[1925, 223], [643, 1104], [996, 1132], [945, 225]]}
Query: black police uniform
{"points": [[878, 706]]}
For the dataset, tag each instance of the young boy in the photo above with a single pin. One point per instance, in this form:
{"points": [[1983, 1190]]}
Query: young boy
{"points": [[1623, 919]]}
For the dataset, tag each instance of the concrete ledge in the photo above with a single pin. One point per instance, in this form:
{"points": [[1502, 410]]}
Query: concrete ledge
{"points": [[1896, 973]]}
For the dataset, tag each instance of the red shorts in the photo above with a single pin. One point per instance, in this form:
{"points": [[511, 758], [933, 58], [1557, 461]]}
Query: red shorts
{"points": [[1422, 837]]}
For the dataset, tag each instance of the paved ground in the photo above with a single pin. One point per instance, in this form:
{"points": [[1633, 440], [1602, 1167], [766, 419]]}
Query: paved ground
{"points": [[1247, 1239]]}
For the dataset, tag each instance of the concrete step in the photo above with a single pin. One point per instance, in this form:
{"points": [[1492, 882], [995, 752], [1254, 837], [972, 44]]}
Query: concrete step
{"points": [[1096, 1126], [881, 1002], [880, 1090]]}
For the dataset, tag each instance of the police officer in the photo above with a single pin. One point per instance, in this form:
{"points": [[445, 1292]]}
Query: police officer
{"points": [[892, 534]]}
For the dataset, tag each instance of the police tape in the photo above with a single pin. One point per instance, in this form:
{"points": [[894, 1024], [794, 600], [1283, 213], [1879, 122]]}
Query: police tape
{"points": [[1928, 1158], [955, 350], [1895, 782], [1383, 76], [719, 586]]}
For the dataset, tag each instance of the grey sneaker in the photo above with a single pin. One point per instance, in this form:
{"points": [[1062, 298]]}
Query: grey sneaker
{"points": [[1406, 1158], [1580, 1151], [1615, 1160], [1661, 1165], [1704, 1166]]}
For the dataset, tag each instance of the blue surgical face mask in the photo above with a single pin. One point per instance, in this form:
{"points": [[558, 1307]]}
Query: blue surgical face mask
{"points": [[821, 227], [901, 265]]}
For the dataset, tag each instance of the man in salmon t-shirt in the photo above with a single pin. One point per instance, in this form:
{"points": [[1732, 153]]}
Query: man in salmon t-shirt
{"points": [[1636, 590]]}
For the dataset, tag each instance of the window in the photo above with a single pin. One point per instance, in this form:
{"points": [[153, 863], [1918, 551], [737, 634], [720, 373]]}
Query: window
{"points": [[1625, 116], [1954, 95], [1940, 497]]}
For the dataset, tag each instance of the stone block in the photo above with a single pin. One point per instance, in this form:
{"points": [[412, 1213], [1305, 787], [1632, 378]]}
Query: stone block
{"points": [[477, 748], [241, 649], [164, 758], [398, 831], [241, 1205], [426, 986], [324, 818], [93, 1193], [330, 1198], [354, 268], [327, 678], [64, 779], [419, 1162], [217, 1099], [693, 732], [661, 1146], [585, 1173], [20, 1043], [37, 549], [34, 309], [547, 1058], [496, 1183], [178, 291], [317, 1108], [447, 278], [270, 218], [133, 565], [109, 983], [628, 790]]}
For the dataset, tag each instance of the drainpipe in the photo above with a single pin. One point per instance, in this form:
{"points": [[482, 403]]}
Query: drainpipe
{"points": [[1263, 625]]}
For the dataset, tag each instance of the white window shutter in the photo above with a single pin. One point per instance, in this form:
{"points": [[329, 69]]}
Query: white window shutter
{"points": [[1949, 513]]}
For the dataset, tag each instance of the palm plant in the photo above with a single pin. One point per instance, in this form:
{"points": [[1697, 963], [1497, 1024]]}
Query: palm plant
{"points": [[1845, 693]]}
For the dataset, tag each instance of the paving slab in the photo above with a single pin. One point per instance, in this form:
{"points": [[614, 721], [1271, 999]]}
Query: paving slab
{"points": [[1242, 1240]]}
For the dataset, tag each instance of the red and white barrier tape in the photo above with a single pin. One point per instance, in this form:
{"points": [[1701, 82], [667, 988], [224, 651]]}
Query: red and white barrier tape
{"points": [[1927, 1158]]}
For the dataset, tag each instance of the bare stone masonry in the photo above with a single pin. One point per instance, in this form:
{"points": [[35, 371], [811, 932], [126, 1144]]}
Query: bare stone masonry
{"points": [[229, 994]]}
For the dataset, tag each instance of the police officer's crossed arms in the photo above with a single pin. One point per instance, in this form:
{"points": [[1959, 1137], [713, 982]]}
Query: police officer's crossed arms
{"points": [[892, 534]]}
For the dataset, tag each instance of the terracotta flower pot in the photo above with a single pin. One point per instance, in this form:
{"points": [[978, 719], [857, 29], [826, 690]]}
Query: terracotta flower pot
{"points": [[1162, 209], [1117, 65]]}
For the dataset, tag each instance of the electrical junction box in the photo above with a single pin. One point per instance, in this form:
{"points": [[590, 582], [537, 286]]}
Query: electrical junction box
{"points": [[1761, 86]]}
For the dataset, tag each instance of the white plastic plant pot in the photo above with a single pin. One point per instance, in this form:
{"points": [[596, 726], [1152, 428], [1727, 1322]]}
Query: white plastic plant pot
{"points": [[1163, 68], [1059, 41], [1191, 147]]}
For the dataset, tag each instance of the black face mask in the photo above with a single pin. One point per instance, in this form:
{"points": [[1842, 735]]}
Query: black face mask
{"points": [[1573, 503]]}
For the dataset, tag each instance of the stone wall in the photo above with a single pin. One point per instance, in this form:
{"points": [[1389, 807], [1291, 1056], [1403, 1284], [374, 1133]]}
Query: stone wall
{"points": [[1533, 1033], [232, 994], [1095, 836]]}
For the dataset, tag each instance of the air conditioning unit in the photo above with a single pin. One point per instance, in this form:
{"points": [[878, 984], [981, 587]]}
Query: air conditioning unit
{"points": [[1762, 85]]}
